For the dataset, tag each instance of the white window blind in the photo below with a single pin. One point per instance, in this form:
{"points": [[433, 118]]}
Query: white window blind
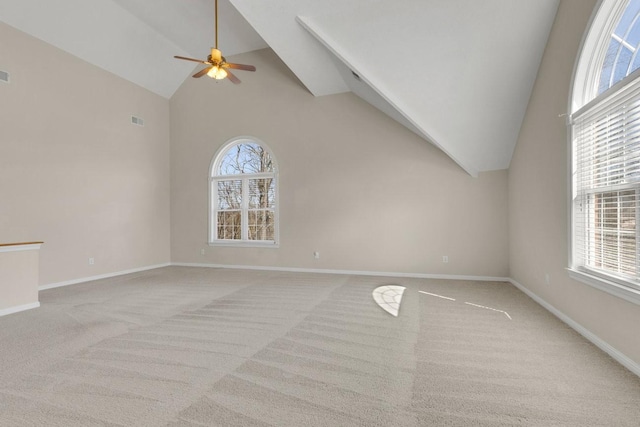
{"points": [[606, 174]]}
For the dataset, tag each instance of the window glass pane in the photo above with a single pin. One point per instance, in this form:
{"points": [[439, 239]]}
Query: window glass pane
{"points": [[627, 18], [261, 225], [262, 193], [633, 38], [245, 158], [622, 64], [619, 61], [229, 225], [230, 194], [607, 67]]}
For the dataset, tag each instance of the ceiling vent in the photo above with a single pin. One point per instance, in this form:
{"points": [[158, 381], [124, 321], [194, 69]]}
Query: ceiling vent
{"points": [[137, 121], [4, 76]]}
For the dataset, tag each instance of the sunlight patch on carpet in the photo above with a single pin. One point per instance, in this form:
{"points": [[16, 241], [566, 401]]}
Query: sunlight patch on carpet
{"points": [[436, 295], [389, 298], [489, 308], [467, 303]]}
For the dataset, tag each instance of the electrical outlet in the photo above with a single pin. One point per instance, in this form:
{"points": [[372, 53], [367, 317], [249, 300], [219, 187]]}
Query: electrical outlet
{"points": [[316, 255], [201, 251], [92, 261], [547, 279], [445, 259]]}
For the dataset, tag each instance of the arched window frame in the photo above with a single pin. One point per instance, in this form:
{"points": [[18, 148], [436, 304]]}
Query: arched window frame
{"points": [[585, 101], [214, 178], [594, 49]]}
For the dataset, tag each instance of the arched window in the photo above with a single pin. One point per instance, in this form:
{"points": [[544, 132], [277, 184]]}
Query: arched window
{"points": [[605, 134], [621, 58], [243, 188]]}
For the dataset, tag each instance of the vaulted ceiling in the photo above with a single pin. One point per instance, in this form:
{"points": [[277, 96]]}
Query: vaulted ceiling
{"points": [[459, 73]]}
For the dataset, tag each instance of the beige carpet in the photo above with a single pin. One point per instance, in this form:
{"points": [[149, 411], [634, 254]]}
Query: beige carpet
{"points": [[206, 347]]}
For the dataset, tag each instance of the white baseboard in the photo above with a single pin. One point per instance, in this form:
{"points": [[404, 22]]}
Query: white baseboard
{"points": [[346, 272], [601, 344], [102, 276], [19, 308]]}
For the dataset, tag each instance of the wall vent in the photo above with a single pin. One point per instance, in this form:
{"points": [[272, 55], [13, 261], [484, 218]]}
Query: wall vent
{"points": [[4, 76], [137, 121]]}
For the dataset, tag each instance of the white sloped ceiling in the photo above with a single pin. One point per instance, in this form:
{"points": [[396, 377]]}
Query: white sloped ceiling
{"points": [[459, 73]]}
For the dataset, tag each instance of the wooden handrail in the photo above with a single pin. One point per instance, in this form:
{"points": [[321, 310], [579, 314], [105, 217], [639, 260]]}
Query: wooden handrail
{"points": [[21, 243]]}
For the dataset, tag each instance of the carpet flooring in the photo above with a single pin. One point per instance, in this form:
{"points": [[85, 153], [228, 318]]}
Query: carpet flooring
{"points": [[182, 346]]}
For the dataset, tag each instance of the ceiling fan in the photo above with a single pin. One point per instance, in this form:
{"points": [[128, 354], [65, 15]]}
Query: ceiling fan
{"points": [[217, 66]]}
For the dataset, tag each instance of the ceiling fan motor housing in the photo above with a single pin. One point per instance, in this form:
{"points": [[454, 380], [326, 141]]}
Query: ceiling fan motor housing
{"points": [[216, 55]]}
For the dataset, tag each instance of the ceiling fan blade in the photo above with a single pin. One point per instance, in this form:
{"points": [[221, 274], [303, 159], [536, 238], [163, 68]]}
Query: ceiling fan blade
{"points": [[202, 72], [240, 66], [191, 59], [232, 77]]}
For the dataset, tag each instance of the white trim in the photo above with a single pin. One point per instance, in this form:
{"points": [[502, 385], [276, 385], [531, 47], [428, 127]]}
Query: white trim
{"points": [[590, 336], [101, 276], [18, 247], [608, 286], [239, 175], [245, 243], [19, 308], [346, 272]]}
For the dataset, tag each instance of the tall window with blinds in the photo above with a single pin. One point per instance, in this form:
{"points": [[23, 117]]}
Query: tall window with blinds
{"points": [[606, 183], [243, 195]]}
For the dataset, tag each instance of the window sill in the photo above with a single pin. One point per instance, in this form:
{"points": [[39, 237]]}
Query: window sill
{"points": [[244, 244], [625, 292]]}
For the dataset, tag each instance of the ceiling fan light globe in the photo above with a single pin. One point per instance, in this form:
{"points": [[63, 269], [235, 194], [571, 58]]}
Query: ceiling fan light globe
{"points": [[220, 74], [212, 72]]}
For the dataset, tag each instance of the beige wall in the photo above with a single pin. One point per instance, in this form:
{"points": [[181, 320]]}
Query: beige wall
{"points": [[18, 276], [538, 192], [74, 172], [354, 185]]}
